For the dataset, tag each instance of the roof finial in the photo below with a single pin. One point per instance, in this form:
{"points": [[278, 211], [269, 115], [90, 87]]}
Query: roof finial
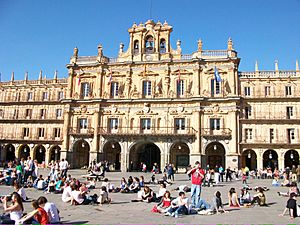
{"points": [[55, 74], [26, 76], [75, 52], [229, 44], [276, 65], [297, 65], [40, 75], [12, 76], [199, 45], [256, 66]]}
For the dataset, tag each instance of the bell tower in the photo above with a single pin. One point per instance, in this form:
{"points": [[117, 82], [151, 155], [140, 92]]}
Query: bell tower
{"points": [[148, 42]]}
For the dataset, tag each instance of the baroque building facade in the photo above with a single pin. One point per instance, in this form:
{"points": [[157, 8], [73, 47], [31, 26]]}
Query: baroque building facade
{"points": [[154, 104]]}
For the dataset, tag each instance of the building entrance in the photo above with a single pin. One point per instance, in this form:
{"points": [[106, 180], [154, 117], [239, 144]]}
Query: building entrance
{"points": [[215, 155], [81, 154], [147, 153]]}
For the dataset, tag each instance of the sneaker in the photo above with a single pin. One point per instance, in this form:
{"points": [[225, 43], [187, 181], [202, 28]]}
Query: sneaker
{"points": [[278, 193], [173, 214], [167, 214], [176, 215]]}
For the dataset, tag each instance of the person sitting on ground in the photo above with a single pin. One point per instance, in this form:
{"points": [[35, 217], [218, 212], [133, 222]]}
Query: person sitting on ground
{"points": [[286, 182], [161, 192], [20, 190], [51, 187], [293, 189], [183, 188], [103, 197], [51, 209], [233, 198], [264, 188], [59, 185], [29, 182], [291, 205], [164, 180], [91, 184], [79, 198], [123, 185], [15, 210], [275, 182], [40, 183], [147, 195], [67, 193], [180, 205], [109, 186], [164, 203], [135, 186], [260, 198], [245, 196], [129, 181], [38, 215], [217, 203], [142, 181]]}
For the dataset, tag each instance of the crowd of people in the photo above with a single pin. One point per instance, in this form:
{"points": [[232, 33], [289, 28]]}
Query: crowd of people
{"points": [[25, 174]]}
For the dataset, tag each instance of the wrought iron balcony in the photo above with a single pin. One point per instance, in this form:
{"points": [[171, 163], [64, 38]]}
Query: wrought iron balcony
{"points": [[81, 131], [154, 131], [222, 133]]}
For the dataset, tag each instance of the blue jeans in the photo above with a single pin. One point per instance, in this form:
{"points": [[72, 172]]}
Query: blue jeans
{"points": [[202, 204], [179, 210], [195, 194]]}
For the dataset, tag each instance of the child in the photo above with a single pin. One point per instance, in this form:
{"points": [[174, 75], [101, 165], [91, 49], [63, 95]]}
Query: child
{"points": [[103, 198], [244, 178]]}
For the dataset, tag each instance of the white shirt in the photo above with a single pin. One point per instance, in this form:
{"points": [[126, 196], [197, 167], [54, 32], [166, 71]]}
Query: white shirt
{"points": [[161, 192], [52, 212], [77, 197], [67, 193], [40, 184], [22, 193], [63, 165]]}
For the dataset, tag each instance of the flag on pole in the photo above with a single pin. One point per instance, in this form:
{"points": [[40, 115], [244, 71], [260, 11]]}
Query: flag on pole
{"points": [[110, 77], [217, 75], [178, 75]]}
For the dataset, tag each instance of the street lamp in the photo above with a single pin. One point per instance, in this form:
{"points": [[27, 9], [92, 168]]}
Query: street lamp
{"points": [[112, 145], [270, 155], [179, 147], [292, 155], [215, 147], [82, 144], [249, 155]]}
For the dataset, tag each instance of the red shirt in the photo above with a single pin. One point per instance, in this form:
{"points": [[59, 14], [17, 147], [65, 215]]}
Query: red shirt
{"points": [[42, 216], [196, 177]]}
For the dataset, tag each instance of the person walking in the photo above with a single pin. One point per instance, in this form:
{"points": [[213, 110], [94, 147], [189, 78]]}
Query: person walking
{"points": [[170, 171], [197, 176]]}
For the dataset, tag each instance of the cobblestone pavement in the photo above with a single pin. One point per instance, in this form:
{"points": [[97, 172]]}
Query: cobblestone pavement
{"points": [[122, 210]]}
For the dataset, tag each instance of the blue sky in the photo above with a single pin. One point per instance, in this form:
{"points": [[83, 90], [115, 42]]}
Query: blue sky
{"points": [[40, 35]]}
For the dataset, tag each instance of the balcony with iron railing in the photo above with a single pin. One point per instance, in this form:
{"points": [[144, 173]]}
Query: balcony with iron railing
{"points": [[154, 131], [88, 131], [268, 115], [33, 118], [264, 139], [222, 133], [7, 136]]}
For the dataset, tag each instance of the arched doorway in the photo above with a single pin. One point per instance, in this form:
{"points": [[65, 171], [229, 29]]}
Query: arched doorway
{"points": [[112, 154], [147, 153], [81, 154], [10, 153], [270, 159], [40, 154], [215, 155], [291, 157], [249, 159], [54, 153], [24, 152], [180, 155]]}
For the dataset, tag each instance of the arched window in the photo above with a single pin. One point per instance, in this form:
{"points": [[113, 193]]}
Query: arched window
{"points": [[149, 44], [136, 47], [162, 46]]}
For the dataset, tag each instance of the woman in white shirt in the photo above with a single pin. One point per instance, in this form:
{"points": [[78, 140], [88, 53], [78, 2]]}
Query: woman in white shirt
{"points": [[15, 210]]}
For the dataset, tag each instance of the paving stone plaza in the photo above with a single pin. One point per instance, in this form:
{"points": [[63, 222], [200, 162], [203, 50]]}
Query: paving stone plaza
{"points": [[122, 210]]}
